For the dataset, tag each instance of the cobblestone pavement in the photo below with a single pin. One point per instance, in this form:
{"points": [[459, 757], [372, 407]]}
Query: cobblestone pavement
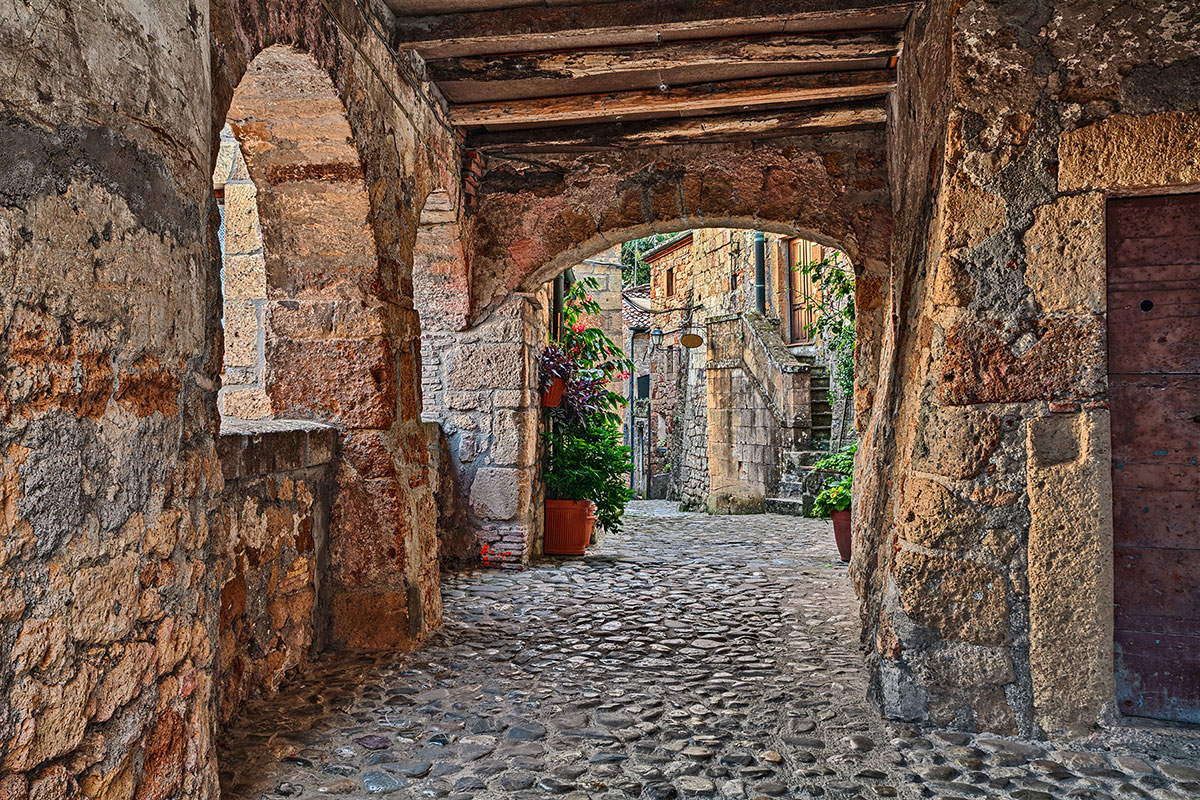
{"points": [[689, 656]]}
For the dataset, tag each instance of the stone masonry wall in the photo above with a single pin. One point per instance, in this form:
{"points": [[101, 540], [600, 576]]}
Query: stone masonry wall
{"points": [[110, 484], [983, 509], [714, 277], [758, 406], [274, 557], [489, 416], [243, 393], [535, 219]]}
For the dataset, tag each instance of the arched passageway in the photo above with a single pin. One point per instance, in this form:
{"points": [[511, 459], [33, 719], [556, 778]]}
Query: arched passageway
{"points": [[538, 214], [985, 495]]}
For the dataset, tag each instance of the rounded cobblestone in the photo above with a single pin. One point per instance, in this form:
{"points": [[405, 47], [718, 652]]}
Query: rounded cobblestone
{"points": [[690, 656]]}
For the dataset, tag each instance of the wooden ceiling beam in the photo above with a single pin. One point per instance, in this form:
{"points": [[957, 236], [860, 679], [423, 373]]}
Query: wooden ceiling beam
{"points": [[475, 79], [658, 133], [729, 97], [542, 29]]}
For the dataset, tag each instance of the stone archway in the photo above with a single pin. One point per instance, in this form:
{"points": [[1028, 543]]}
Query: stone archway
{"points": [[537, 214], [337, 181]]}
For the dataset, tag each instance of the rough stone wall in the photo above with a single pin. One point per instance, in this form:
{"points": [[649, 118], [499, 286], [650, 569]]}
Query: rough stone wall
{"points": [[110, 351], [111, 346], [489, 415], [692, 467], [273, 557], [758, 406], [983, 508], [545, 213], [243, 393], [351, 309], [744, 463]]}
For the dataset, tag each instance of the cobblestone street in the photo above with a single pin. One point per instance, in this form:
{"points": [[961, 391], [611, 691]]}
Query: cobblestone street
{"points": [[688, 656]]}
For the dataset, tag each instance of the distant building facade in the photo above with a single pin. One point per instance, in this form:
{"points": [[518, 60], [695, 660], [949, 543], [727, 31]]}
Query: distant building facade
{"points": [[729, 424]]}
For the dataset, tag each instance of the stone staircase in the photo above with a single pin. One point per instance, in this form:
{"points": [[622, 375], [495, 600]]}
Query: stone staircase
{"points": [[799, 485], [822, 406]]}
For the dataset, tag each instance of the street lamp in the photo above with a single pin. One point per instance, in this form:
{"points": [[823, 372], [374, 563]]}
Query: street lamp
{"points": [[656, 337]]}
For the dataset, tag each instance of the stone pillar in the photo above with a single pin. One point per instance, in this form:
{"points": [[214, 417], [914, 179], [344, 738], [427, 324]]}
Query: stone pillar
{"points": [[983, 507], [490, 417]]}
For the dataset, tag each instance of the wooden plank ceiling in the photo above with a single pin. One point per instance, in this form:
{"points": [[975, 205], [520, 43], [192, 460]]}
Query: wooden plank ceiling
{"points": [[579, 74]]}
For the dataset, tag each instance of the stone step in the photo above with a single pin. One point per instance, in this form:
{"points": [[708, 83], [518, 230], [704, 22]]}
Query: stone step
{"points": [[822, 420], [787, 506], [821, 407]]}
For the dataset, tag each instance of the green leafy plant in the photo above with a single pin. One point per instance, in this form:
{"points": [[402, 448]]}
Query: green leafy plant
{"points": [[835, 495], [842, 461], [833, 280], [590, 462], [586, 458]]}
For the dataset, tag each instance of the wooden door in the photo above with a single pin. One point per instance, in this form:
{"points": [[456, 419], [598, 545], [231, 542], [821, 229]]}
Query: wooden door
{"points": [[1154, 392], [801, 290]]}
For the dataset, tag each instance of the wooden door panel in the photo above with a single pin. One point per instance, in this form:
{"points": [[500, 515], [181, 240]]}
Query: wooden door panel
{"points": [[1163, 342], [1155, 518], [1159, 425], [1155, 477], [1158, 676], [1153, 588], [1154, 399], [1154, 277], [1152, 251]]}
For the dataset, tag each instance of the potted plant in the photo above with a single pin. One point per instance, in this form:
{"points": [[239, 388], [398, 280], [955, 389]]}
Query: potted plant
{"points": [[585, 484], [555, 368], [833, 501], [586, 460]]}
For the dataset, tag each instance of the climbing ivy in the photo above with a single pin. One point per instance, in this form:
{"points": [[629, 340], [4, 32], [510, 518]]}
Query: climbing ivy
{"points": [[833, 280]]}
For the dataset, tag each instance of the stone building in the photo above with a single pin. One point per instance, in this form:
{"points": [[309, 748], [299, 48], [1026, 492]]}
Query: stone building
{"points": [[1015, 187], [738, 416]]}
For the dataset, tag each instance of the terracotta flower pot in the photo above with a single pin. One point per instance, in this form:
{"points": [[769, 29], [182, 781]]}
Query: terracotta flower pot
{"points": [[553, 393], [569, 526], [841, 533]]}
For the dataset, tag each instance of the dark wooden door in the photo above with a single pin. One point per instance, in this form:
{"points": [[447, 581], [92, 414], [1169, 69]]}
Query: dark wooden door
{"points": [[1154, 392]]}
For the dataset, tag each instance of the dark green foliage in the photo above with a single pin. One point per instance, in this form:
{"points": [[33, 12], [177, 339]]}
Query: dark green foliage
{"points": [[636, 272], [586, 458], [590, 462], [834, 280], [842, 461], [835, 496]]}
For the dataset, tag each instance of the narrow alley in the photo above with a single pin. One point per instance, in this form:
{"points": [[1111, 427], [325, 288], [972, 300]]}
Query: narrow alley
{"points": [[690, 655]]}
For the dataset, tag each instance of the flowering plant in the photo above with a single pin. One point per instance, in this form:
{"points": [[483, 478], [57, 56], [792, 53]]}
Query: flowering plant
{"points": [[834, 497], [586, 458], [586, 359]]}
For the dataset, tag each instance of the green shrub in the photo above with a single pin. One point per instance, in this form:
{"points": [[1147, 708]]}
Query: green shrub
{"points": [[835, 496], [842, 461], [590, 462]]}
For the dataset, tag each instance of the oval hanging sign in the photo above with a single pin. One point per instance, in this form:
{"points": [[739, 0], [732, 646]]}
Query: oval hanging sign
{"points": [[691, 340]]}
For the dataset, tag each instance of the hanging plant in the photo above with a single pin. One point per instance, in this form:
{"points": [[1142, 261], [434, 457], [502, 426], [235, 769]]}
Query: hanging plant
{"points": [[586, 359]]}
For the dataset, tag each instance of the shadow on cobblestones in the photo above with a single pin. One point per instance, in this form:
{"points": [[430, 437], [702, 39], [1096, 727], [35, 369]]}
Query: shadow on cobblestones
{"points": [[690, 656]]}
